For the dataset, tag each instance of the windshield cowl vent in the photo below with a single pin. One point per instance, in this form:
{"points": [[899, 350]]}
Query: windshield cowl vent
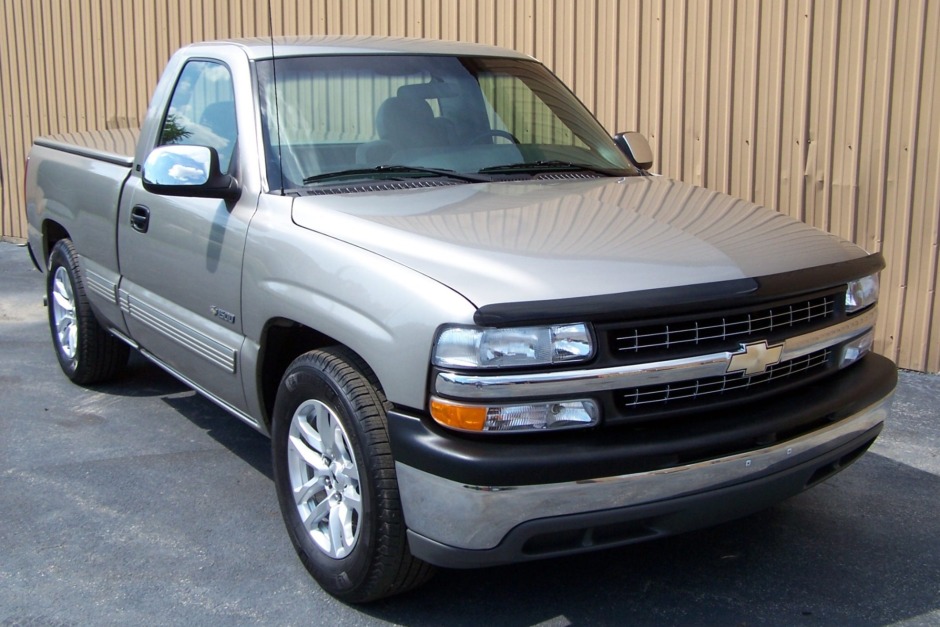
{"points": [[564, 176], [378, 187]]}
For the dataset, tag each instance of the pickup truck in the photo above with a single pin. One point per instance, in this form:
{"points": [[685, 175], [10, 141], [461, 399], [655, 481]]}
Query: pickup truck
{"points": [[475, 327]]}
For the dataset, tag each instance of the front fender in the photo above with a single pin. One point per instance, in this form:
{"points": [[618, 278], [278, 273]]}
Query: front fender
{"points": [[385, 312]]}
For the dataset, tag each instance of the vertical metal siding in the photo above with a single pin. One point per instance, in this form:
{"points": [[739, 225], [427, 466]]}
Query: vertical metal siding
{"points": [[826, 110]]}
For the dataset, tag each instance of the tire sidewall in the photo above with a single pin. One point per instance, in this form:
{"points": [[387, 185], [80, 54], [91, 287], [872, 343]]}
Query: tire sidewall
{"points": [[338, 576], [63, 257]]}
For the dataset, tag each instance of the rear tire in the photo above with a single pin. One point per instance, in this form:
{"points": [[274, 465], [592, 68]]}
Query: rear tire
{"points": [[335, 479], [86, 352]]}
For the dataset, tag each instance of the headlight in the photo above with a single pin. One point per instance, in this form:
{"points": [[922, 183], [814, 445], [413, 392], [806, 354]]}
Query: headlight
{"points": [[475, 347], [861, 293]]}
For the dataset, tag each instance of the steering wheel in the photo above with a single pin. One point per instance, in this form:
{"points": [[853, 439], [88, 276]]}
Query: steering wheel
{"points": [[478, 139]]}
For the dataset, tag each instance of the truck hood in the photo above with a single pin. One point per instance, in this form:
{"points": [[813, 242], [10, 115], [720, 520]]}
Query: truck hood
{"points": [[520, 241]]}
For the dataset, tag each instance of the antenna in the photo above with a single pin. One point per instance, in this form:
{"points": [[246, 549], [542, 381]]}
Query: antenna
{"points": [[277, 115]]}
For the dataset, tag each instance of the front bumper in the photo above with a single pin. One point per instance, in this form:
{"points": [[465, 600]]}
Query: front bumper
{"points": [[454, 522]]}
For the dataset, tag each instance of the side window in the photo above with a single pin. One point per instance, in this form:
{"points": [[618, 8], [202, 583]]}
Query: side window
{"points": [[202, 110]]}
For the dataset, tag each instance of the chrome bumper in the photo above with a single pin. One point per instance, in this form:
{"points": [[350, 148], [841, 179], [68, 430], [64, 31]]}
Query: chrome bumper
{"points": [[477, 518]]}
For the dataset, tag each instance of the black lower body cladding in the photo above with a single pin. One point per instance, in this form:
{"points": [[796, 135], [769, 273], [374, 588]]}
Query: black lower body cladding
{"points": [[470, 502], [608, 452]]}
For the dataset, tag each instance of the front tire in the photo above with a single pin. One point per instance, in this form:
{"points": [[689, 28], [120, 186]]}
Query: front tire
{"points": [[86, 352], [335, 479]]}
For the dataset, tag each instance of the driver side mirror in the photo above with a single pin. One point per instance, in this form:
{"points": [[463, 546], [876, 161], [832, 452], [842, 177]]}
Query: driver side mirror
{"points": [[637, 149], [177, 170]]}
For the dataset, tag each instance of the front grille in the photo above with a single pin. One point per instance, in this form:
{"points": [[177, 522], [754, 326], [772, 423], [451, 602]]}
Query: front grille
{"points": [[720, 332], [722, 411], [670, 394]]}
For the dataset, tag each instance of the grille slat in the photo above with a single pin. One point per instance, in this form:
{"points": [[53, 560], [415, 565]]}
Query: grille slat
{"points": [[635, 341], [691, 390]]}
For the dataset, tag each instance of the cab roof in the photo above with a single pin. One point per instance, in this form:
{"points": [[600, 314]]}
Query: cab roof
{"points": [[259, 48]]}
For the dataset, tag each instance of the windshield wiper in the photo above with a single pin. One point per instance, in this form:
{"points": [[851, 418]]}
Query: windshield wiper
{"points": [[545, 166], [382, 170]]}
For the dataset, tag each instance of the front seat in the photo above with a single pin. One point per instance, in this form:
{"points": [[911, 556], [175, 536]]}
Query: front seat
{"points": [[402, 123]]}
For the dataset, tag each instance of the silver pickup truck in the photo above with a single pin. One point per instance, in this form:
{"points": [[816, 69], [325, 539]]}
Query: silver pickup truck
{"points": [[477, 330]]}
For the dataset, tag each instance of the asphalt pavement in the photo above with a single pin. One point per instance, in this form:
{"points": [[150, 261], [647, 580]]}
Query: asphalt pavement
{"points": [[139, 502]]}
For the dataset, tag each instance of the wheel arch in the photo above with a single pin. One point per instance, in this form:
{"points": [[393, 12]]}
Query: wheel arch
{"points": [[52, 233], [282, 341]]}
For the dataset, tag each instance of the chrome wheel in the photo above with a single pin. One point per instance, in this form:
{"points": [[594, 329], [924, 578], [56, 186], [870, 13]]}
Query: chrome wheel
{"points": [[324, 478], [335, 478], [86, 351], [63, 313]]}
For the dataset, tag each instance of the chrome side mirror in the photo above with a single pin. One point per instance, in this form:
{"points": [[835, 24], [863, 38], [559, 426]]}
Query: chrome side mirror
{"points": [[637, 149], [176, 170]]}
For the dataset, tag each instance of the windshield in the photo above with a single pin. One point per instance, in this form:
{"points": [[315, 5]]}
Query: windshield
{"points": [[342, 118]]}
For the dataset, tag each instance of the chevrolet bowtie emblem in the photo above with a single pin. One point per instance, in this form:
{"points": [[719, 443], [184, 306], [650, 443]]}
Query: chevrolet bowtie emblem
{"points": [[755, 358]]}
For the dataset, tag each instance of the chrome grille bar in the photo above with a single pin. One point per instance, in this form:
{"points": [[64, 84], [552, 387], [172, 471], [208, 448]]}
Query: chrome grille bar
{"points": [[546, 384], [691, 390]]}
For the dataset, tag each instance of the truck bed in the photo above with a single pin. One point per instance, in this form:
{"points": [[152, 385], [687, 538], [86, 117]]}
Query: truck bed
{"points": [[79, 178], [113, 146]]}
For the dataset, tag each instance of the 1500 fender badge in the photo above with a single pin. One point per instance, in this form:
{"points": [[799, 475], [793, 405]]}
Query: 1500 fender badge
{"points": [[222, 314]]}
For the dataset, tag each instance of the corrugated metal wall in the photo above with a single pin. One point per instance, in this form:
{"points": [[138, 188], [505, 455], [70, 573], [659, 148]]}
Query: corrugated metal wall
{"points": [[827, 110]]}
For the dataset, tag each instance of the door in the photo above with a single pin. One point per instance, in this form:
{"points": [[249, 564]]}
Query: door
{"points": [[181, 257]]}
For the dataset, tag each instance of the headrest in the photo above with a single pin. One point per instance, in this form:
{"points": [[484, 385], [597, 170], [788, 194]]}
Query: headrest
{"points": [[399, 115]]}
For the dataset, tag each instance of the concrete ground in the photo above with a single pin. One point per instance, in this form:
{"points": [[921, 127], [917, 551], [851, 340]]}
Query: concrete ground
{"points": [[140, 502]]}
